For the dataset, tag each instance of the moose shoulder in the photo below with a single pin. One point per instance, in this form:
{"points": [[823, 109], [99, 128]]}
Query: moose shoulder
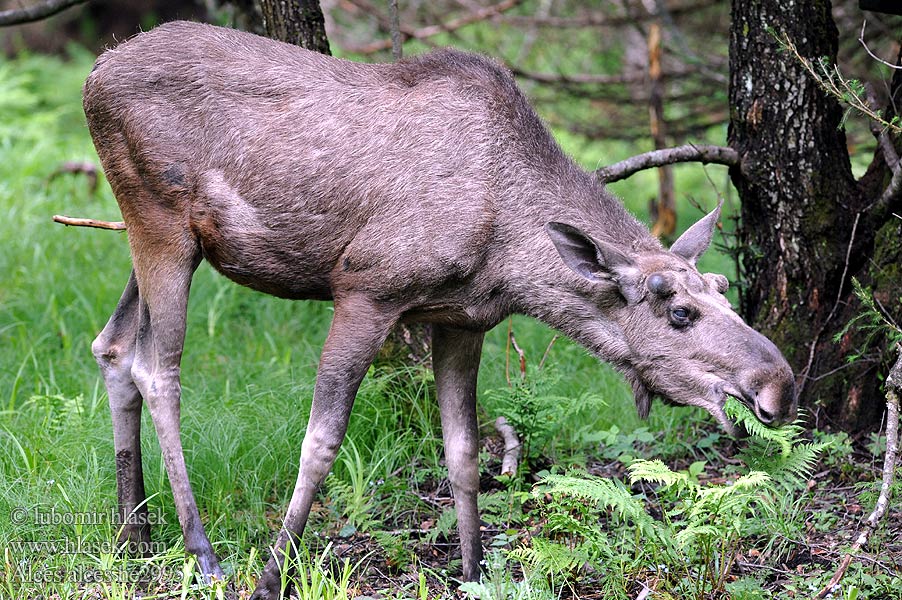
{"points": [[426, 190]]}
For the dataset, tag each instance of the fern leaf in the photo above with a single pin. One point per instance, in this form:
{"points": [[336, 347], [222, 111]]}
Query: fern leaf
{"points": [[656, 471]]}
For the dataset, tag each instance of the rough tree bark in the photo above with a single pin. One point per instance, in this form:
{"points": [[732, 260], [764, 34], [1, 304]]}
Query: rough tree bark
{"points": [[299, 22], [807, 225]]}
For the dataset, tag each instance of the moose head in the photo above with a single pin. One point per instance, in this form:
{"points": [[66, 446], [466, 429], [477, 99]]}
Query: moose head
{"points": [[681, 340]]}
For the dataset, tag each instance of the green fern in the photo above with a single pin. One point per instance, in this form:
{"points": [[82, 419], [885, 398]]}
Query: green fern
{"points": [[655, 471], [608, 493], [550, 557], [742, 415]]}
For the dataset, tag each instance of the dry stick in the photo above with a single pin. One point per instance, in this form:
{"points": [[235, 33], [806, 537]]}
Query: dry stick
{"points": [[893, 385], [35, 12], [114, 225], [687, 153], [520, 353], [548, 350], [511, 456], [868, 50]]}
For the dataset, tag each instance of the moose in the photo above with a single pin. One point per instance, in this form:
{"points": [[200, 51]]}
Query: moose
{"points": [[426, 190]]}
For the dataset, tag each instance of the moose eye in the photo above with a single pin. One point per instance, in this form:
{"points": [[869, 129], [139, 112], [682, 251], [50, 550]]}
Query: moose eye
{"points": [[680, 316]]}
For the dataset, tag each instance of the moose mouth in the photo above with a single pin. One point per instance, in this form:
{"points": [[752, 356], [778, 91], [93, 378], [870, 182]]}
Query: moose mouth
{"points": [[719, 394]]}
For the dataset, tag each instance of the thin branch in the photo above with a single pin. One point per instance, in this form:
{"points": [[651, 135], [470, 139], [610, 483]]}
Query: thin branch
{"points": [[114, 225], [591, 79], [831, 80], [687, 153], [520, 353], [35, 12], [893, 385], [548, 350], [890, 156], [426, 32], [600, 19], [868, 50]]}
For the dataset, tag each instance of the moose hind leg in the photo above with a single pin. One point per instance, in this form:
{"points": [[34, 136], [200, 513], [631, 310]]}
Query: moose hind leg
{"points": [[455, 360], [358, 330], [114, 350], [164, 277]]}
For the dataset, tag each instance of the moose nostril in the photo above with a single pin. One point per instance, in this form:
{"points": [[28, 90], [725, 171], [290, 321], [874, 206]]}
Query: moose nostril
{"points": [[765, 416]]}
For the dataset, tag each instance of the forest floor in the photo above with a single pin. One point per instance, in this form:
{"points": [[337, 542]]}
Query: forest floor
{"points": [[837, 499]]}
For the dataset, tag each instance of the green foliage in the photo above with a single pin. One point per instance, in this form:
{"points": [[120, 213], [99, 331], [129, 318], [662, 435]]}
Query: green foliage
{"points": [[596, 521], [872, 321], [538, 414]]}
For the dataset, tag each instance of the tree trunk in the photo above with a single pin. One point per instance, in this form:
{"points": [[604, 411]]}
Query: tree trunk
{"points": [[807, 226], [298, 22]]}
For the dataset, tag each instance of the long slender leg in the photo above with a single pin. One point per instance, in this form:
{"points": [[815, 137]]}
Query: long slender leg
{"points": [[358, 330], [164, 279], [114, 350], [455, 360]]}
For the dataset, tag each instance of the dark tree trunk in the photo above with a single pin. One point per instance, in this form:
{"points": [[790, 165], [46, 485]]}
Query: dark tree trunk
{"points": [[801, 205], [299, 22]]}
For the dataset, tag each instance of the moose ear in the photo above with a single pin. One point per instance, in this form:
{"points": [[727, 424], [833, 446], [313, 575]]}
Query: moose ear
{"points": [[587, 257], [697, 238]]}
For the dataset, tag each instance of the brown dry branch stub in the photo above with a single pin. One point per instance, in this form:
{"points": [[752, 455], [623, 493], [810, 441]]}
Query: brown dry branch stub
{"points": [[76, 222]]}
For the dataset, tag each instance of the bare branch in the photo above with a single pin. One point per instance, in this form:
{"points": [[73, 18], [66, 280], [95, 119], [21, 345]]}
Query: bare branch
{"points": [[688, 153], [592, 20], [890, 156], [591, 79], [115, 225], [35, 12], [868, 50], [893, 385], [426, 32]]}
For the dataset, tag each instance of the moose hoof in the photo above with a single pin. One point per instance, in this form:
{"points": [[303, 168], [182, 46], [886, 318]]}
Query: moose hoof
{"points": [[134, 540], [269, 587]]}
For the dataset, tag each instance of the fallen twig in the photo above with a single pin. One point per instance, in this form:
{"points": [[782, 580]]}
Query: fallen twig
{"points": [[511, 456], [114, 225], [893, 385]]}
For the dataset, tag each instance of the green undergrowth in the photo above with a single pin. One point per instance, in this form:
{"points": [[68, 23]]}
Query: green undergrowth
{"points": [[247, 375], [673, 531]]}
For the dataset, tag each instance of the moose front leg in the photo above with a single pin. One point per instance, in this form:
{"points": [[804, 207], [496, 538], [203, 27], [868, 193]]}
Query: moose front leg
{"points": [[455, 360], [358, 330]]}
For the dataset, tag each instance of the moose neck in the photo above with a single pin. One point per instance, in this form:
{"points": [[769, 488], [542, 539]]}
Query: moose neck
{"points": [[539, 282]]}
